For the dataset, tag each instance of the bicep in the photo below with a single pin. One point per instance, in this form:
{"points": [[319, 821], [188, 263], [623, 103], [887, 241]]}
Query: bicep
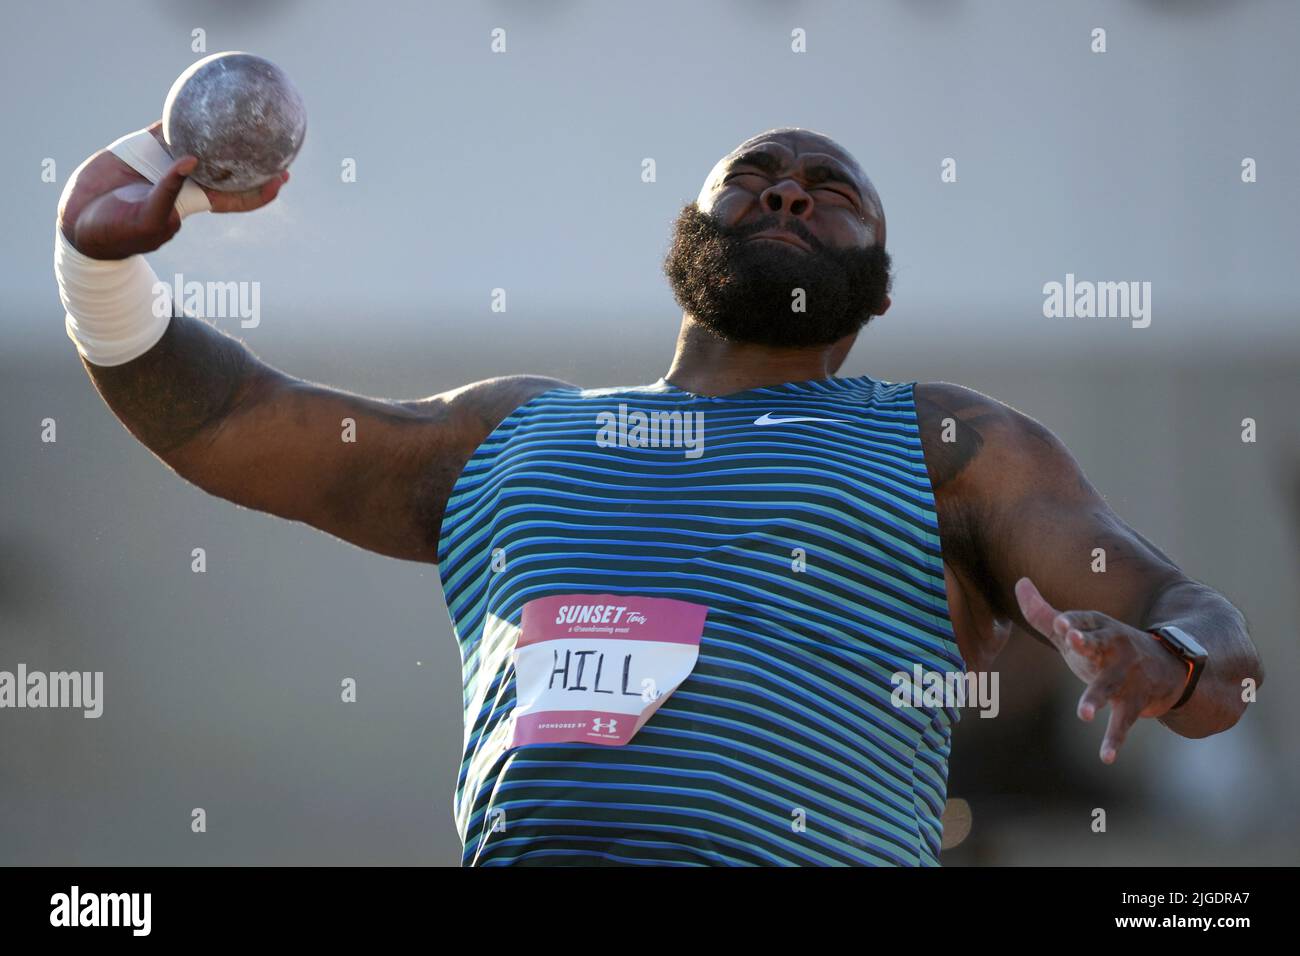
{"points": [[1045, 521], [340, 462], [374, 472]]}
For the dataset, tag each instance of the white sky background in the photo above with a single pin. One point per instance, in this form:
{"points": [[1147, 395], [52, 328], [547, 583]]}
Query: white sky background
{"points": [[522, 170]]}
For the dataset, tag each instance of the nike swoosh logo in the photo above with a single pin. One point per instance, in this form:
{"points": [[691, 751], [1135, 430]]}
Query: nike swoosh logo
{"points": [[767, 419]]}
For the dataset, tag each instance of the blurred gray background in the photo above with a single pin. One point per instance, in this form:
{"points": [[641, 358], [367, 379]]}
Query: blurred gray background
{"points": [[522, 171]]}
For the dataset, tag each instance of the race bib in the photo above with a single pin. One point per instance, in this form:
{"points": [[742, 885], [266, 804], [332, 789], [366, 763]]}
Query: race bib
{"points": [[593, 668]]}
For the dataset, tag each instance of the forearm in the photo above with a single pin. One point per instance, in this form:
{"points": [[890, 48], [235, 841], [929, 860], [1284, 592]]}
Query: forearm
{"points": [[1217, 703]]}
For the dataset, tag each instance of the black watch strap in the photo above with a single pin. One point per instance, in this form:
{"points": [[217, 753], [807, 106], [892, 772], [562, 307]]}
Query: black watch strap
{"points": [[1187, 649]]}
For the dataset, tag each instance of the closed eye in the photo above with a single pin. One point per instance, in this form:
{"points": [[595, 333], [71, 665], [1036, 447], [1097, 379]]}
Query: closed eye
{"points": [[823, 188]]}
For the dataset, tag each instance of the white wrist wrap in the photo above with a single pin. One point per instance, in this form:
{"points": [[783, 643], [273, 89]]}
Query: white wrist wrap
{"points": [[116, 308]]}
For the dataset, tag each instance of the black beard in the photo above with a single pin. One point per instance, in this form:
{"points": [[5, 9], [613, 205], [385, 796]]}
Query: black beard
{"points": [[743, 291]]}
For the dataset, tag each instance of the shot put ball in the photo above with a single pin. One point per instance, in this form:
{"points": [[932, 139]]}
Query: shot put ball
{"points": [[240, 115]]}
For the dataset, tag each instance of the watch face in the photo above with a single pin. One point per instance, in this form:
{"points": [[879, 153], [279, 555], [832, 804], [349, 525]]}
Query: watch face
{"points": [[1182, 639]]}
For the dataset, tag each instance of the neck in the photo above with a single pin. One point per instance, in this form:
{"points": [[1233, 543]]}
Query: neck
{"points": [[709, 365]]}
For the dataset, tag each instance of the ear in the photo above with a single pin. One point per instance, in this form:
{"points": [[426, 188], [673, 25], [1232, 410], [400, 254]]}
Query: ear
{"points": [[884, 306]]}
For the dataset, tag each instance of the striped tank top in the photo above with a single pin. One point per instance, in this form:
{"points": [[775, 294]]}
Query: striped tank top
{"points": [[802, 517]]}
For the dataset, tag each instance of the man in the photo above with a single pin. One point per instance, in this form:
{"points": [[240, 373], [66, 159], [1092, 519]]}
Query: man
{"points": [[684, 607]]}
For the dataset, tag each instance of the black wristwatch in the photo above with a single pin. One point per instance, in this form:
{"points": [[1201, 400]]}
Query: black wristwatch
{"points": [[1185, 648]]}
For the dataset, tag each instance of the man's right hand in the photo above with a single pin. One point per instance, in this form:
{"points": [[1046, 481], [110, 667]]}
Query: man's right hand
{"points": [[110, 211]]}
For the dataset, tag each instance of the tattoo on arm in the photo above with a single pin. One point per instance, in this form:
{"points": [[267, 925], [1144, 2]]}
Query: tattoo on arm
{"points": [[195, 375], [941, 415], [971, 539], [243, 431]]}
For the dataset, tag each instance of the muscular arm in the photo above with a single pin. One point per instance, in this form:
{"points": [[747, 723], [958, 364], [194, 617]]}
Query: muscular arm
{"points": [[1013, 503], [241, 430], [238, 428]]}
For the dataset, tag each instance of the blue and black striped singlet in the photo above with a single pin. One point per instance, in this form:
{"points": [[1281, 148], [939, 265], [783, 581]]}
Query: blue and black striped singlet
{"points": [[814, 545]]}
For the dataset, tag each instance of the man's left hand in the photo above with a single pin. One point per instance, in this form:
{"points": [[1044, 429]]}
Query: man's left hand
{"points": [[1125, 667]]}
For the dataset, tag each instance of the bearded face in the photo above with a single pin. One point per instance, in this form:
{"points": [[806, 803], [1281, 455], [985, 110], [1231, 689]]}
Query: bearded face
{"points": [[743, 289]]}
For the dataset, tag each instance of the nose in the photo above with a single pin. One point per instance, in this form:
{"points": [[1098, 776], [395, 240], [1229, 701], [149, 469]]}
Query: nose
{"points": [[787, 196]]}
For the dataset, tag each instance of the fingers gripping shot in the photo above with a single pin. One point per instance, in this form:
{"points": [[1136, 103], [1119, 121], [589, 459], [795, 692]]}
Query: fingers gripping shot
{"points": [[680, 604]]}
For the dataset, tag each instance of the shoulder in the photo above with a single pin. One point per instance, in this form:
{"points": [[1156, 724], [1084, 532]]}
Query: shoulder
{"points": [[936, 401], [994, 471], [969, 436], [452, 425], [480, 406], [495, 398]]}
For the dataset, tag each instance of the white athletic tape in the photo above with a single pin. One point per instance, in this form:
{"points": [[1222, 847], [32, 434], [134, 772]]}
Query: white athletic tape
{"points": [[146, 156], [116, 308]]}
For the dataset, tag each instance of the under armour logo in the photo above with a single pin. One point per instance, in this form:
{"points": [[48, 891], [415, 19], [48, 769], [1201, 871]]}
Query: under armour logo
{"points": [[599, 725]]}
